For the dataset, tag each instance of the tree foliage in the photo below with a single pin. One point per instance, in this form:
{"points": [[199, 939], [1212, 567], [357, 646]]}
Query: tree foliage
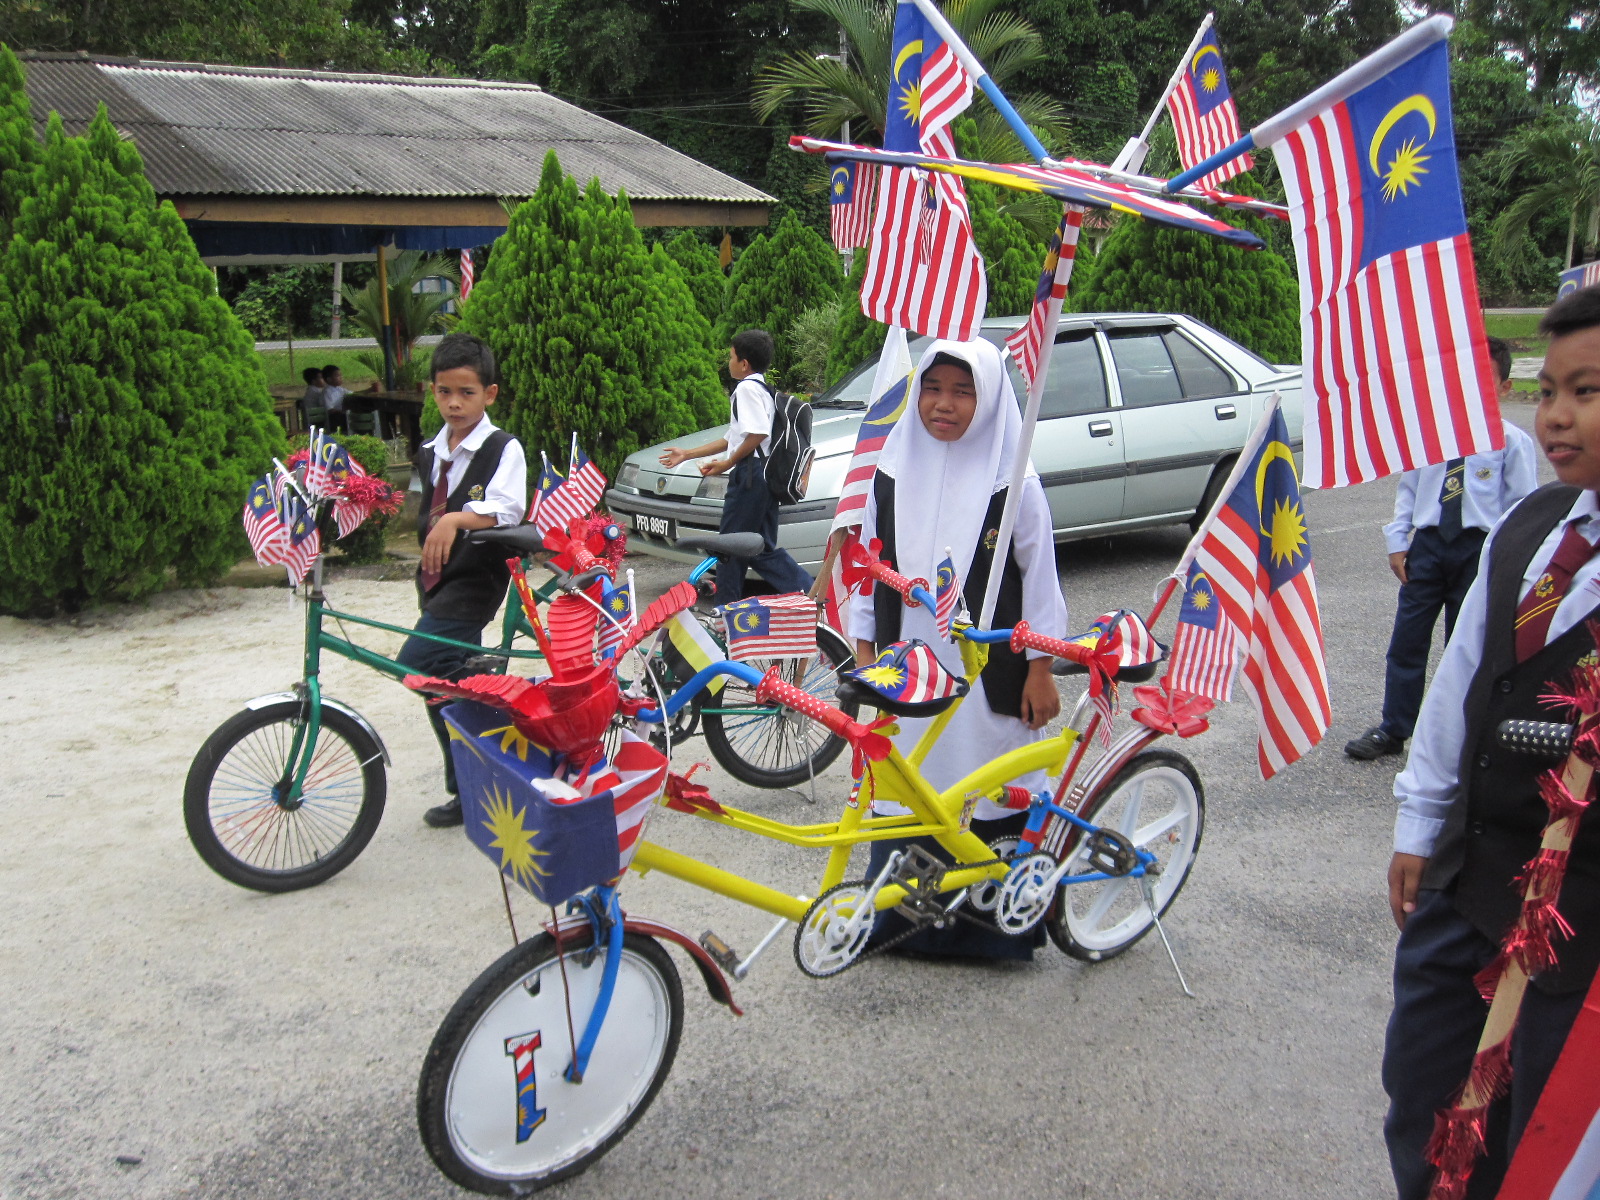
{"points": [[776, 279], [856, 337], [19, 149], [411, 313], [702, 271], [593, 333], [1250, 295], [135, 408]]}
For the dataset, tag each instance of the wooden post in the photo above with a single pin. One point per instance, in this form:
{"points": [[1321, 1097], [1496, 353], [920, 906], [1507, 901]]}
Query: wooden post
{"points": [[387, 338], [338, 294]]}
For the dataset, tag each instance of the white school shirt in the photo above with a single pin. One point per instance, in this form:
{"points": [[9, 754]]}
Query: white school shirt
{"points": [[751, 407], [506, 496], [1427, 786], [333, 397], [1495, 480]]}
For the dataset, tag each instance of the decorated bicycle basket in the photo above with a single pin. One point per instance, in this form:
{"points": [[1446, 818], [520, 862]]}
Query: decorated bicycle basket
{"points": [[554, 824]]}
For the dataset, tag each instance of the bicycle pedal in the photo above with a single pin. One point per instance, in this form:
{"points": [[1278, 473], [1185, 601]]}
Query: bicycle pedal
{"points": [[921, 876], [722, 953]]}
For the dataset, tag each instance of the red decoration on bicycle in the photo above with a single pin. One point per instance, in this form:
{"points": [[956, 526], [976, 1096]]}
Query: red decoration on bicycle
{"points": [[1166, 711], [865, 738], [909, 673]]}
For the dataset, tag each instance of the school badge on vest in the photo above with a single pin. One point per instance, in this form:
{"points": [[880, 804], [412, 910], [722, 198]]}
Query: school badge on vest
{"points": [[991, 540], [1484, 473], [475, 492]]}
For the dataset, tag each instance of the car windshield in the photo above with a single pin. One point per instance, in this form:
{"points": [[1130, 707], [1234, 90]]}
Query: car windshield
{"points": [[855, 389]]}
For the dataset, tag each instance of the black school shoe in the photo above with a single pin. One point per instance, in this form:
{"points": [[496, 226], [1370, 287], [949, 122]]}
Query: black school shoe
{"points": [[443, 816], [1374, 743]]}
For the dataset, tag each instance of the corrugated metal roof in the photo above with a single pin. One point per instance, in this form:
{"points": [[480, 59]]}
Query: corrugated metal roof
{"points": [[215, 130]]}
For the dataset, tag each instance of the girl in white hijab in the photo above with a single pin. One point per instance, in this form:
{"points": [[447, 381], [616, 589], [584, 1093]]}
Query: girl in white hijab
{"points": [[941, 483]]}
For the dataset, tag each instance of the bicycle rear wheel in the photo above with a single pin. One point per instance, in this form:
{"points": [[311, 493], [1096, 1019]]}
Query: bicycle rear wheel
{"points": [[769, 746], [494, 1107], [234, 807]]}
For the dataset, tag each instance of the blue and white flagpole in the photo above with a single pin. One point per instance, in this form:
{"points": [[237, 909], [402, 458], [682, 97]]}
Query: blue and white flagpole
{"points": [[1341, 87]]}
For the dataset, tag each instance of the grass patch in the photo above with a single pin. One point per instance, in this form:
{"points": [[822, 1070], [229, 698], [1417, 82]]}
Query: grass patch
{"points": [[1520, 329], [279, 374]]}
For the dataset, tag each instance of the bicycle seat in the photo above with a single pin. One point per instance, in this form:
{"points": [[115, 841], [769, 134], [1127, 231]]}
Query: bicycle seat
{"points": [[906, 680], [724, 545], [1138, 654], [524, 538]]}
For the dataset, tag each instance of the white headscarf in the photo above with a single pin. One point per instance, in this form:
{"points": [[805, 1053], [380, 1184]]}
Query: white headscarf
{"points": [[942, 489]]}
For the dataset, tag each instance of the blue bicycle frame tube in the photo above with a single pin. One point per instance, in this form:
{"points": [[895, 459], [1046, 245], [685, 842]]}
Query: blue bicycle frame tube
{"points": [[698, 681], [702, 569]]}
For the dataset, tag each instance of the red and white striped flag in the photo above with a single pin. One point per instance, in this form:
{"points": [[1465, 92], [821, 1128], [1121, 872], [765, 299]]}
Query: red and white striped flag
{"points": [[466, 276], [1258, 559], [563, 499], [262, 524], [946, 595], [1026, 343], [584, 478], [1205, 645], [302, 542], [1204, 115], [924, 272], [889, 387], [850, 189], [1397, 367], [633, 780], [771, 627]]}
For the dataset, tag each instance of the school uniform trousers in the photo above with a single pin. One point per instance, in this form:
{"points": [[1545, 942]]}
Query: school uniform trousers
{"points": [[750, 507]]}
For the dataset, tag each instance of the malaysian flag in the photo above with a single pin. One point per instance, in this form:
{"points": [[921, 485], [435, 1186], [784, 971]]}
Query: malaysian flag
{"points": [[889, 389], [850, 188], [1204, 115], [563, 499], [466, 276], [1397, 369], [771, 627], [1258, 559], [550, 481], [303, 542], [1136, 645], [262, 524], [584, 479], [923, 272], [946, 595], [1204, 646], [1574, 278], [617, 604], [1026, 343], [632, 780]]}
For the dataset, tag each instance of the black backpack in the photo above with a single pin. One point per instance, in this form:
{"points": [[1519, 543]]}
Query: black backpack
{"points": [[789, 453]]}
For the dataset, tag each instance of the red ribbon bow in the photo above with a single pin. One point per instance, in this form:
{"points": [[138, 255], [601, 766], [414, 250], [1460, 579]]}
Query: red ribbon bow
{"points": [[1165, 711], [684, 796]]}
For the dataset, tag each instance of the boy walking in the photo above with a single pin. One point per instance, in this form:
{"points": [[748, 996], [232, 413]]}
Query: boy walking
{"points": [[1442, 513], [474, 476], [748, 506], [1470, 811]]}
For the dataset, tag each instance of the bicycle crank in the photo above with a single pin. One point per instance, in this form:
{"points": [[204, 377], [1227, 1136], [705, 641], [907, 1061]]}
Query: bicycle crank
{"points": [[1025, 895]]}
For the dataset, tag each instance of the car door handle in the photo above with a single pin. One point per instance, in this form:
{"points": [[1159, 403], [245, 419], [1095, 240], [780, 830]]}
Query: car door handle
{"points": [[1226, 412], [1099, 428]]}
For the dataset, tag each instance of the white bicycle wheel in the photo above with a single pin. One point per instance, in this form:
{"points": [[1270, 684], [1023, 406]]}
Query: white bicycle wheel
{"points": [[495, 1109]]}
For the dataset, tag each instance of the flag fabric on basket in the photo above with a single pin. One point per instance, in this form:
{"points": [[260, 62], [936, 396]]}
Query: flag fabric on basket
{"points": [[262, 524], [1204, 115], [771, 627], [946, 596], [1204, 646], [633, 779], [1397, 368], [850, 188], [889, 388], [303, 542], [1258, 560], [924, 272], [1026, 343], [467, 278], [618, 605]]}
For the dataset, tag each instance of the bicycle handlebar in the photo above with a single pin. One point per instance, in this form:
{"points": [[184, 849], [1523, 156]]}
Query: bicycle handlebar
{"points": [[773, 687]]}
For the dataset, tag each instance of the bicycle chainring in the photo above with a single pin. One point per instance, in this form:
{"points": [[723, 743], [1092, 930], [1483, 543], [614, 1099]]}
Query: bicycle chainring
{"points": [[1025, 895]]}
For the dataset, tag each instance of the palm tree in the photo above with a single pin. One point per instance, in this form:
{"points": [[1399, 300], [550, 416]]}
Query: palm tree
{"points": [[411, 313], [857, 90], [1564, 161]]}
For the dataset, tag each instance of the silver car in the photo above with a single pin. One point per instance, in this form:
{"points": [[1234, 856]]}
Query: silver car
{"points": [[1141, 418]]}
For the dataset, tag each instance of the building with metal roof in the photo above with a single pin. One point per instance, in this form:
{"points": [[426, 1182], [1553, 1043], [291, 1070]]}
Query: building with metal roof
{"points": [[271, 165]]}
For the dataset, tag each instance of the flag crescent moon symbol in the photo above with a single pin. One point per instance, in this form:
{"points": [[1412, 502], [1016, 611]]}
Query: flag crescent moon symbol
{"points": [[898, 408], [1571, 285], [1194, 63], [841, 178], [913, 47], [1274, 450], [744, 622], [1411, 104]]}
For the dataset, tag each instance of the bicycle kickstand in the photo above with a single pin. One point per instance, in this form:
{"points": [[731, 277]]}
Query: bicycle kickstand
{"points": [[1155, 919]]}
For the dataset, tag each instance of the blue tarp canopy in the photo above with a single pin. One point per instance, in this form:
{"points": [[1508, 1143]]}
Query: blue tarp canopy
{"points": [[233, 239]]}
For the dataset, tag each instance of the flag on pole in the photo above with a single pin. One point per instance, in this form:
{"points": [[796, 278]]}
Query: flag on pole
{"points": [[467, 277], [1204, 646], [550, 480], [946, 595], [771, 627], [889, 387], [617, 602], [850, 188], [584, 479], [1258, 560], [1204, 115], [1397, 367], [262, 524], [923, 272], [1588, 275], [303, 543], [1027, 341]]}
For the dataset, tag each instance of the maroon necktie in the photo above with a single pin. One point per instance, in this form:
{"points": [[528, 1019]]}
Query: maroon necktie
{"points": [[1532, 623], [436, 511]]}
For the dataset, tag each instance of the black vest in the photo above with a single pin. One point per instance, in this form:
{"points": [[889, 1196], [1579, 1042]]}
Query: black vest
{"points": [[474, 581], [1007, 671], [1497, 820]]}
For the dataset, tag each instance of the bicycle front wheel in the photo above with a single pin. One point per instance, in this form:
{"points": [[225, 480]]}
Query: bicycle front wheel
{"points": [[236, 808], [769, 746], [1156, 802], [494, 1107]]}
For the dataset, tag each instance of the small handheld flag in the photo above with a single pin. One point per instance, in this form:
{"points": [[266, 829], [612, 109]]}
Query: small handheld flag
{"points": [[1204, 646], [262, 524], [304, 541], [946, 595], [617, 605], [771, 627]]}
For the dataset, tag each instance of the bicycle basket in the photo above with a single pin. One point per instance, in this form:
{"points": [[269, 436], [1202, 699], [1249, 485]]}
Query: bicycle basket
{"points": [[551, 835]]}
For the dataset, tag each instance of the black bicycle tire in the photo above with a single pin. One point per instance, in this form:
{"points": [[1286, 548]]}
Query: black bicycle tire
{"points": [[505, 973], [197, 814], [1056, 920], [722, 748]]}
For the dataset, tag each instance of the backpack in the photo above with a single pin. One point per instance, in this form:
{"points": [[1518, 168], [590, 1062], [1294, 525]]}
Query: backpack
{"points": [[789, 453]]}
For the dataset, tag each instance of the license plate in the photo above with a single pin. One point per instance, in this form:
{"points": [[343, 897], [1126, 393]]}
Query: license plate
{"points": [[660, 527]]}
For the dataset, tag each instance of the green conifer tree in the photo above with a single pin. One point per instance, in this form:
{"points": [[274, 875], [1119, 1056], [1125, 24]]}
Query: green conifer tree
{"points": [[856, 337], [19, 149], [135, 408], [593, 333], [776, 279], [1250, 295], [702, 271]]}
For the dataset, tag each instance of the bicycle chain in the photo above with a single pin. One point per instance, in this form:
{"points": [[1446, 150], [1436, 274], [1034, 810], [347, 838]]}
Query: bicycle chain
{"points": [[915, 929]]}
